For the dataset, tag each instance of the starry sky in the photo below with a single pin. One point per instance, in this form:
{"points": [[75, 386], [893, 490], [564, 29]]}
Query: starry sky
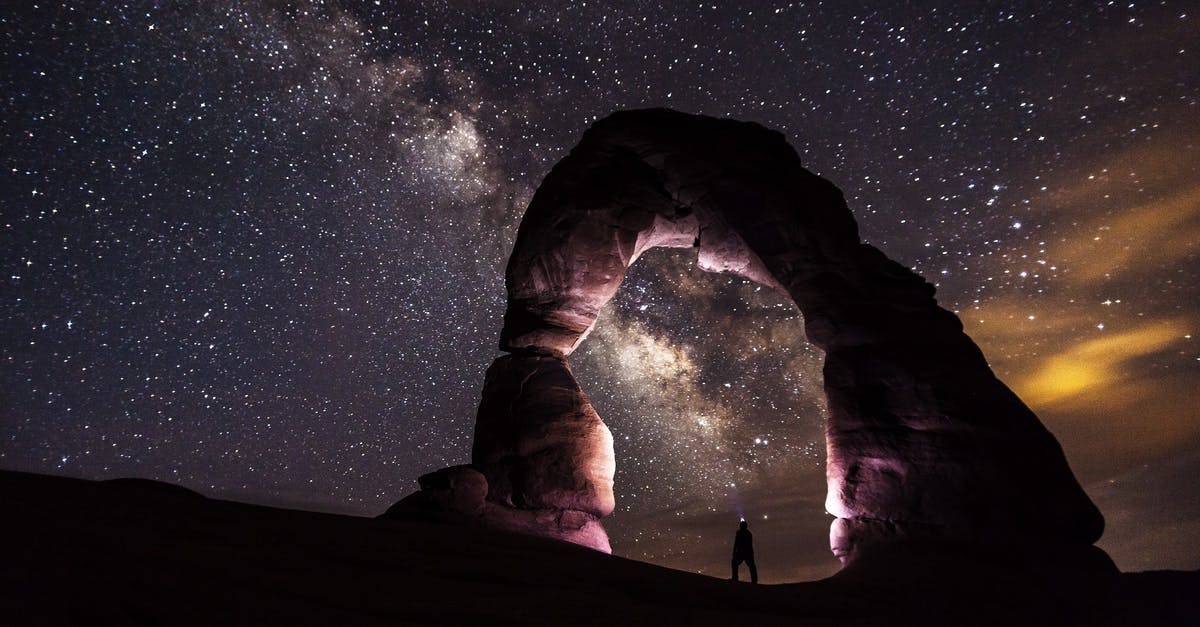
{"points": [[257, 248]]}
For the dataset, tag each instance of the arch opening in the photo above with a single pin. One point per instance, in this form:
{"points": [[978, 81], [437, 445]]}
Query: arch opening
{"points": [[715, 403]]}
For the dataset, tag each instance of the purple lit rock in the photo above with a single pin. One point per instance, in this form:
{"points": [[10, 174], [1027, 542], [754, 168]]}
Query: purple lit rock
{"points": [[921, 434], [538, 440], [459, 494]]}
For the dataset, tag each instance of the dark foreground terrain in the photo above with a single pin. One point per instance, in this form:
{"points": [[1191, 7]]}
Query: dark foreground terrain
{"points": [[135, 552]]}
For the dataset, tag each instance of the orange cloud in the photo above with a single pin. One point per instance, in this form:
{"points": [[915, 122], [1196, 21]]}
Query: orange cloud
{"points": [[1096, 367], [1118, 223], [1126, 213], [1140, 238]]}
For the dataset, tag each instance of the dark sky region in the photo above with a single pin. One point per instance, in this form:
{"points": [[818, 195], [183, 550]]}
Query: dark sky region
{"points": [[256, 248]]}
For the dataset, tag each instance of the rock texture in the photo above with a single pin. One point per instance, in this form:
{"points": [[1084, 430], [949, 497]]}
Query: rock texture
{"points": [[459, 494], [538, 440], [922, 439]]}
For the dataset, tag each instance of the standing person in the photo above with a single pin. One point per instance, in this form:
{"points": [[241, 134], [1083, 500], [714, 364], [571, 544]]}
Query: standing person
{"points": [[743, 551]]}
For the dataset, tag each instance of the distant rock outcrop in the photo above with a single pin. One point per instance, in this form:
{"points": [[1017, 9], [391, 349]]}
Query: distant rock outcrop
{"points": [[150, 485], [923, 441]]}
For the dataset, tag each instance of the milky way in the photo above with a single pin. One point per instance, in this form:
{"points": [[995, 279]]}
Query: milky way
{"points": [[257, 249]]}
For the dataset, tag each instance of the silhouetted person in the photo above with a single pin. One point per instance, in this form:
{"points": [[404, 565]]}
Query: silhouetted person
{"points": [[743, 551]]}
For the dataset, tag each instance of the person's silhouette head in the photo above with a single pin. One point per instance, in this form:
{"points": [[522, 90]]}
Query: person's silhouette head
{"points": [[742, 525]]}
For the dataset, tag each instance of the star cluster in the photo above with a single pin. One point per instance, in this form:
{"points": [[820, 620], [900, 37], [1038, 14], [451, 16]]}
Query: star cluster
{"points": [[257, 248]]}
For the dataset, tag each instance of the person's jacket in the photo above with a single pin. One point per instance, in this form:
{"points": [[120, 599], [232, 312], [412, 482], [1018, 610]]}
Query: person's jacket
{"points": [[743, 542]]}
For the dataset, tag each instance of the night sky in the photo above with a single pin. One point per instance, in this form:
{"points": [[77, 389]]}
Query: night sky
{"points": [[257, 248]]}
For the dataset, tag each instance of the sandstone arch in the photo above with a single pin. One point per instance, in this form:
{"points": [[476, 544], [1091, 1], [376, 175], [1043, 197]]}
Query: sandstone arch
{"points": [[922, 439]]}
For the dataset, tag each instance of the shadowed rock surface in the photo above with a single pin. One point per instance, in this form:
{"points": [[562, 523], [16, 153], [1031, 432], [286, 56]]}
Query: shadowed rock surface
{"points": [[93, 553], [458, 495], [924, 444]]}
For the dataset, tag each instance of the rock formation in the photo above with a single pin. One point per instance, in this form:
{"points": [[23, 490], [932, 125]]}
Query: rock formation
{"points": [[923, 440]]}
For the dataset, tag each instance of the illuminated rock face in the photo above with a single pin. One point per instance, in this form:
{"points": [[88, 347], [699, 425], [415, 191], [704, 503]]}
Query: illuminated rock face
{"points": [[538, 440], [923, 440]]}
